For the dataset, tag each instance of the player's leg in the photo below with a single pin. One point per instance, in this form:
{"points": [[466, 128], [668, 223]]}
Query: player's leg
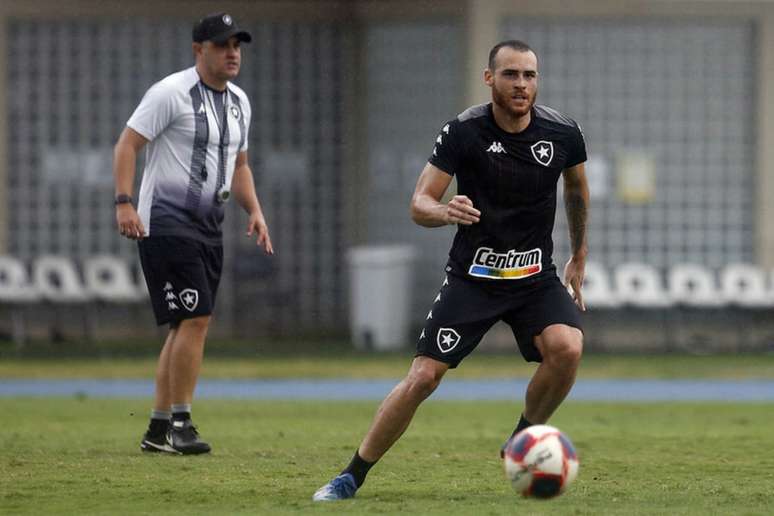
{"points": [[185, 361], [561, 347], [198, 271], [153, 258], [162, 397], [398, 408], [462, 312], [183, 276], [391, 420], [155, 438], [547, 329]]}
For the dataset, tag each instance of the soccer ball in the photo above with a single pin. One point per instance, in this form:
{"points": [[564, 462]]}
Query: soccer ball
{"points": [[540, 462]]}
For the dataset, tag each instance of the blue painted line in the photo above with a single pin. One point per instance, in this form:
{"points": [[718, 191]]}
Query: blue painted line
{"points": [[513, 390]]}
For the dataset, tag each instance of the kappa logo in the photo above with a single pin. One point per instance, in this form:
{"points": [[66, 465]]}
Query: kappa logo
{"points": [[543, 152], [439, 139], [170, 296], [190, 299], [497, 148], [447, 339]]}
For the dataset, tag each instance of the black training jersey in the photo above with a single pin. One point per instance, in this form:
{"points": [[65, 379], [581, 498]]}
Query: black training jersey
{"points": [[511, 178]]}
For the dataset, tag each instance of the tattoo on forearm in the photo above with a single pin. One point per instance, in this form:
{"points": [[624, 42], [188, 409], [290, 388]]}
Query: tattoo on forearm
{"points": [[575, 207]]}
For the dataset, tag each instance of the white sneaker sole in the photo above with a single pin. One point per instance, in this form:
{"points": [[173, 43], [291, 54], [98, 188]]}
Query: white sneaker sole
{"points": [[159, 447]]}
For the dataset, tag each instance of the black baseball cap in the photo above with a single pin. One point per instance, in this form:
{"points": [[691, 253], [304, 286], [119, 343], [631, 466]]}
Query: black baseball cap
{"points": [[218, 28]]}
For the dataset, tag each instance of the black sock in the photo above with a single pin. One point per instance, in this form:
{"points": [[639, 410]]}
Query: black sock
{"points": [[158, 426], [523, 423], [181, 416], [358, 468]]}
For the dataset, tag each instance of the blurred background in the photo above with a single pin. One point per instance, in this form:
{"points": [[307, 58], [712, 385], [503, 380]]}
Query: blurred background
{"points": [[676, 100]]}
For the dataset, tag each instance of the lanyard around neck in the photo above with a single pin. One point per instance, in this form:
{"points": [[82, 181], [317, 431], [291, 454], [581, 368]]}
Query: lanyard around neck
{"points": [[220, 119]]}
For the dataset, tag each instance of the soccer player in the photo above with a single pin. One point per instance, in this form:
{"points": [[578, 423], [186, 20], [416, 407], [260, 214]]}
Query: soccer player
{"points": [[507, 156], [195, 124]]}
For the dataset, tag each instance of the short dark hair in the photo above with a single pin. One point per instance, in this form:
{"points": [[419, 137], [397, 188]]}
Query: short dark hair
{"points": [[515, 44]]}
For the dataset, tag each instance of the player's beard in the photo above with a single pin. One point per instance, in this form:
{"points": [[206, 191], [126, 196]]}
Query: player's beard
{"points": [[503, 101]]}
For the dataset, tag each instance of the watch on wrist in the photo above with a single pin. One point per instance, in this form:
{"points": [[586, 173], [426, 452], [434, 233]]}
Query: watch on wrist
{"points": [[123, 199]]}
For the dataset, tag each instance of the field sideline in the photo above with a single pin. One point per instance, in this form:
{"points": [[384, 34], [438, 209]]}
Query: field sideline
{"points": [[395, 365], [80, 456]]}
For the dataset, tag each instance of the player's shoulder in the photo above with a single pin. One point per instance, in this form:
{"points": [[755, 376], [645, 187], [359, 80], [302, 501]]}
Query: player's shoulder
{"points": [[183, 80], [473, 113], [466, 120], [176, 83], [237, 91], [550, 116]]}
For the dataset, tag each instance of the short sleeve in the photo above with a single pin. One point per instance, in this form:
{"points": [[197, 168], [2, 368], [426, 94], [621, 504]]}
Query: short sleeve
{"points": [[576, 147], [447, 152], [155, 112]]}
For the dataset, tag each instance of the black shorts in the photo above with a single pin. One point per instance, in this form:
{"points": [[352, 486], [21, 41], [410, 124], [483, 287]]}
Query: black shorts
{"points": [[464, 310], [182, 275]]}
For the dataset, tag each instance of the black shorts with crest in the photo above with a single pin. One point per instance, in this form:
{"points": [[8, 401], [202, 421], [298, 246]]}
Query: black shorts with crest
{"points": [[182, 275], [464, 310]]}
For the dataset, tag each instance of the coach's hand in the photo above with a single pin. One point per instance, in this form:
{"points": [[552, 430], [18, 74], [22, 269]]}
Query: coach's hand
{"points": [[258, 225], [574, 272], [460, 210], [129, 223]]}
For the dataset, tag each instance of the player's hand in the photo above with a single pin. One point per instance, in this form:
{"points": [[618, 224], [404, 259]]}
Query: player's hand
{"points": [[460, 210], [129, 223], [257, 225], [574, 272]]}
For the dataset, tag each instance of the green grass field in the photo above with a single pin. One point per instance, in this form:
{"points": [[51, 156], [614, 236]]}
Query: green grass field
{"points": [[68, 456], [81, 456]]}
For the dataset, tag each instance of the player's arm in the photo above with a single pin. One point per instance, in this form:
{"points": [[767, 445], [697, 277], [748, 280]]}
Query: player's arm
{"points": [[576, 202], [125, 152], [244, 193], [426, 206]]}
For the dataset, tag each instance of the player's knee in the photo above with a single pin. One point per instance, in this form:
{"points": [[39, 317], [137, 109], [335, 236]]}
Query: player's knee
{"points": [[197, 324], [564, 348], [423, 381]]}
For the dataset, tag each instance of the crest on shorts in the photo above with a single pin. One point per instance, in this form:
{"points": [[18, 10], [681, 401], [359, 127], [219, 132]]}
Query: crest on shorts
{"points": [[543, 152], [189, 298], [227, 19], [447, 339]]}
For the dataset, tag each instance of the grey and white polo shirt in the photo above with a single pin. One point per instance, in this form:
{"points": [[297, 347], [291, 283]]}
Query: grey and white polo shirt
{"points": [[195, 134]]}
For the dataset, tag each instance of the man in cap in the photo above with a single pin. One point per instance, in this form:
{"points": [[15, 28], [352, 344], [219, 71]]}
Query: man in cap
{"points": [[194, 125]]}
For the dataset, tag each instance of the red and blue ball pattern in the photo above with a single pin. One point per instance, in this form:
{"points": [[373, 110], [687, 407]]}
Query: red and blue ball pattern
{"points": [[541, 462]]}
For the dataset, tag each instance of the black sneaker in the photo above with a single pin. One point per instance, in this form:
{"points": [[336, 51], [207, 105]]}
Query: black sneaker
{"points": [[183, 438], [155, 442]]}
